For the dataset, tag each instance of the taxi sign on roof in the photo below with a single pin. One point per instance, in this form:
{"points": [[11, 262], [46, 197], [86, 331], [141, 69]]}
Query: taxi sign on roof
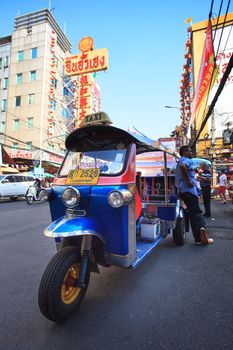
{"points": [[95, 118]]}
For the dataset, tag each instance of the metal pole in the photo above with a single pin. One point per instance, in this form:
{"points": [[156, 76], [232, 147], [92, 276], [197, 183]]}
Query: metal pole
{"points": [[165, 177], [43, 93]]}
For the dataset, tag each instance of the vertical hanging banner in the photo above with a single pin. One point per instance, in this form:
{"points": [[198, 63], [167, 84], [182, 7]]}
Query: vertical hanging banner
{"points": [[205, 73], [51, 117], [81, 65]]}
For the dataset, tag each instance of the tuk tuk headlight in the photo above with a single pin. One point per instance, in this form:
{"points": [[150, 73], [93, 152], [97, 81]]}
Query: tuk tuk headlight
{"points": [[118, 198], [71, 197]]}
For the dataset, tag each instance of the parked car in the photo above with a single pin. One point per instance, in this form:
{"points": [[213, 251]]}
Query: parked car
{"points": [[15, 185]]}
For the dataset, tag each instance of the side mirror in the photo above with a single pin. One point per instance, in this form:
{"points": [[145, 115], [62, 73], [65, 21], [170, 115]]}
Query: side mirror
{"points": [[6, 181]]}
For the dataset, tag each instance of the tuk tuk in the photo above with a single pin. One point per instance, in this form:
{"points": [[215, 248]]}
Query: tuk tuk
{"points": [[104, 212]]}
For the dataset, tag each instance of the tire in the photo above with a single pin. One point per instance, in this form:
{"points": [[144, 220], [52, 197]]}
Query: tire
{"points": [[43, 195], [14, 198], [29, 199], [57, 300], [179, 233]]}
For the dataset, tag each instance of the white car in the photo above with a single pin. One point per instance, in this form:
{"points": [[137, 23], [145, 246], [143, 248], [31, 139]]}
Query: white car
{"points": [[15, 185]]}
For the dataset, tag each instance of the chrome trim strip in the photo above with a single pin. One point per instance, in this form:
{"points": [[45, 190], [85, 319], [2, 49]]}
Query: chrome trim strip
{"points": [[53, 234]]}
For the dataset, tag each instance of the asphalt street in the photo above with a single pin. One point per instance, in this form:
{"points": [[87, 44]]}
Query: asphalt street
{"points": [[178, 298]]}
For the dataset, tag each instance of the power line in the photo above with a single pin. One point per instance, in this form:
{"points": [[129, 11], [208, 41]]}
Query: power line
{"points": [[33, 146], [219, 91], [224, 22]]}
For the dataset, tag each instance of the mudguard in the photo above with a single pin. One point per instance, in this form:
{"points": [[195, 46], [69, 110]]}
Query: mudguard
{"points": [[71, 227]]}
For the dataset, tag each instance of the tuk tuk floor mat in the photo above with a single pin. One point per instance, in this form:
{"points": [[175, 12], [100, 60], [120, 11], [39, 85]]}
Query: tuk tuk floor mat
{"points": [[143, 248], [220, 233]]}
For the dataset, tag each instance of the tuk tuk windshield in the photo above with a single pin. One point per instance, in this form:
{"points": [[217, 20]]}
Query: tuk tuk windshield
{"points": [[110, 162]]}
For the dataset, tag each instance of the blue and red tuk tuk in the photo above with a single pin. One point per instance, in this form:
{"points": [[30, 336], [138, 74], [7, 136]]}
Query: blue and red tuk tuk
{"points": [[104, 212]]}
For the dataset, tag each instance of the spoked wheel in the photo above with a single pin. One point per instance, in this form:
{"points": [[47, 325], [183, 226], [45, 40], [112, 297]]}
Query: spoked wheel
{"points": [[58, 298], [179, 233], [29, 199], [43, 195]]}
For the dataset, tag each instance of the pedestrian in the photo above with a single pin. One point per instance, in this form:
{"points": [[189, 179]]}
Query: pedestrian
{"points": [[222, 185], [196, 175], [187, 191], [205, 179]]}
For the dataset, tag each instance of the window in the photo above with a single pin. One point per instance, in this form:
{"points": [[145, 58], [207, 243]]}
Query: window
{"points": [[54, 105], [17, 101], [55, 61], [10, 178], [6, 62], [0, 62], [29, 145], [55, 83], [29, 123], [29, 178], [20, 56], [32, 75], [3, 105], [34, 52], [16, 124], [31, 99], [15, 145], [51, 148], [2, 126], [19, 179], [19, 78], [5, 83]]}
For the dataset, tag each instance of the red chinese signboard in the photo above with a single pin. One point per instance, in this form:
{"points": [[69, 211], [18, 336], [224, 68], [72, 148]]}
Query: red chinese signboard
{"points": [[206, 72]]}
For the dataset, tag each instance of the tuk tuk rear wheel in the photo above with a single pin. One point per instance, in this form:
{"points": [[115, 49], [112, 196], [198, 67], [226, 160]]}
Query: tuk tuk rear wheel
{"points": [[57, 297], [179, 232]]}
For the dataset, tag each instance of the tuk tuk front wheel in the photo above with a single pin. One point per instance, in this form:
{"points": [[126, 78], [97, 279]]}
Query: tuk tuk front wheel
{"points": [[179, 232], [58, 298]]}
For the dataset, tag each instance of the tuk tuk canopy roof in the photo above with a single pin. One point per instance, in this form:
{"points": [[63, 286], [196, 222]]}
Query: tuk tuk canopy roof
{"points": [[97, 137]]}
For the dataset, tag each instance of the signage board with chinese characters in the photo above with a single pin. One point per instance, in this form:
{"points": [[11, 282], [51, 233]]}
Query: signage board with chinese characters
{"points": [[88, 96], [87, 62]]}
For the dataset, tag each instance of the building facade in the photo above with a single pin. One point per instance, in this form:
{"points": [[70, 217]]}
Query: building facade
{"points": [[212, 144], [5, 49], [37, 91]]}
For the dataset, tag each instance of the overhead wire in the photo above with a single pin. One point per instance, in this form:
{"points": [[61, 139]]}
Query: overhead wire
{"points": [[223, 26], [210, 109]]}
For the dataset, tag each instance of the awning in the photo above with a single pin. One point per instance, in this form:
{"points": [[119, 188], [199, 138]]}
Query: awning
{"points": [[8, 170]]}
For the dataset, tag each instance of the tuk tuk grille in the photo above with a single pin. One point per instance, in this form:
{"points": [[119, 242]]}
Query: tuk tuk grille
{"points": [[220, 233]]}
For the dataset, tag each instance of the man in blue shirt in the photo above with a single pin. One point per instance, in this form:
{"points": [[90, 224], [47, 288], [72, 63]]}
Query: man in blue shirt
{"points": [[205, 178], [187, 189]]}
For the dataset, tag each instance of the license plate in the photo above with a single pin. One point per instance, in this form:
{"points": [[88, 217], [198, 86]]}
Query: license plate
{"points": [[83, 177]]}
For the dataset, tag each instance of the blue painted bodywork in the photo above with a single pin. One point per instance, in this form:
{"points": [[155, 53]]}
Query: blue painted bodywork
{"points": [[111, 223]]}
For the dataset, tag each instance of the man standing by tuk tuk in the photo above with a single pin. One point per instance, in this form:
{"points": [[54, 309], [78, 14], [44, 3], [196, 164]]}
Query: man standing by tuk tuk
{"points": [[187, 190]]}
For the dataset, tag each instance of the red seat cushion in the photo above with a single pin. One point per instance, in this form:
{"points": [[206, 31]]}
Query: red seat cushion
{"points": [[138, 204]]}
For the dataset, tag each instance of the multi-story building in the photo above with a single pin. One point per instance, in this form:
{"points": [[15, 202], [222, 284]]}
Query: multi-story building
{"points": [[36, 97], [5, 48]]}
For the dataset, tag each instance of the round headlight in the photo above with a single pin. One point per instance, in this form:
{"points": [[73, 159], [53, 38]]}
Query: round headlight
{"points": [[71, 197], [116, 199]]}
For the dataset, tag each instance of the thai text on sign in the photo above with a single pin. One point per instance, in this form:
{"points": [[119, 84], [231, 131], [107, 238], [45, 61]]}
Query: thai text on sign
{"points": [[87, 62]]}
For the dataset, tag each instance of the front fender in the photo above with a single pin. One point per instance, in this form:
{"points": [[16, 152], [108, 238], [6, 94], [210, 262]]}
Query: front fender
{"points": [[71, 227]]}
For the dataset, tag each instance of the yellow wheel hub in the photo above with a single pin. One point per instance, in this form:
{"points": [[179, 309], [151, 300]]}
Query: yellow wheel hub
{"points": [[68, 292]]}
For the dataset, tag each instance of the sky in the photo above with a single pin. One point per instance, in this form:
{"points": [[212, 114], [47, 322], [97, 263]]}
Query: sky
{"points": [[146, 45]]}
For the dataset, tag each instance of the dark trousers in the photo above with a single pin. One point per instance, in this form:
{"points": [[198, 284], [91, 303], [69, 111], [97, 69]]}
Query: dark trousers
{"points": [[206, 195], [194, 213]]}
